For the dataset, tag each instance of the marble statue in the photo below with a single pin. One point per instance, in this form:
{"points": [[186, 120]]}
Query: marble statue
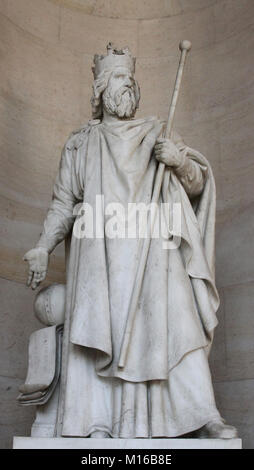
{"points": [[164, 388]]}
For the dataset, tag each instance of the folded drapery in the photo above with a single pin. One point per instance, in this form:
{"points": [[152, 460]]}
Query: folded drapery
{"points": [[44, 366]]}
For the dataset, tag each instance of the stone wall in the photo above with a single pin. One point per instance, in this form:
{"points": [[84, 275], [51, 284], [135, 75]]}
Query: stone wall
{"points": [[46, 51]]}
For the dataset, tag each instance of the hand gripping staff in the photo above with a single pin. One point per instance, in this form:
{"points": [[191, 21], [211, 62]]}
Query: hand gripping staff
{"points": [[184, 47]]}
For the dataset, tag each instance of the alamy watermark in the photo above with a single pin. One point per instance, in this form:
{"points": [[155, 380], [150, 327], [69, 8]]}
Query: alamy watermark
{"points": [[134, 220]]}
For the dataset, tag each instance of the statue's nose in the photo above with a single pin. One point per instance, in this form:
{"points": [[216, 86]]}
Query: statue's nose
{"points": [[128, 82]]}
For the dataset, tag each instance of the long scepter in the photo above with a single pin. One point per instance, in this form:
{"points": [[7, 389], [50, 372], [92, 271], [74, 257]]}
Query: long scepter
{"points": [[184, 47]]}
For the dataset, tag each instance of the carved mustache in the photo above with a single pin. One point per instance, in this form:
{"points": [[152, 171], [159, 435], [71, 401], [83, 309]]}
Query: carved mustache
{"points": [[124, 89]]}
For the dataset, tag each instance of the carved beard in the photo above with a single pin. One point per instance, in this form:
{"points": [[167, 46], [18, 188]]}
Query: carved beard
{"points": [[122, 103]]}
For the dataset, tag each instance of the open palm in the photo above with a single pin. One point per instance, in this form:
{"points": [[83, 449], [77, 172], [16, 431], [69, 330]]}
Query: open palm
{"points": [[38, 264]]}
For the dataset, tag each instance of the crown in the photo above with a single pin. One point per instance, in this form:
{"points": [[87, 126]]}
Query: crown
{"points": [[114, 58]]}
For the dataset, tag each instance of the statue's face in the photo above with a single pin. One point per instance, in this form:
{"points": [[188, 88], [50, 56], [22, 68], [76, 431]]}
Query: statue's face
{"points": [[121, 78], [121, 96]]}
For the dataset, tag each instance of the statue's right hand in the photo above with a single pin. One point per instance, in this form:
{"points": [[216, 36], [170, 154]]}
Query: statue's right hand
{"points": [[38, 264]]}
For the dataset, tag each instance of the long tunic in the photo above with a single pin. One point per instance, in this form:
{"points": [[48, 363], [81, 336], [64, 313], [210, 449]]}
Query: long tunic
{"points": [[178, 300]]}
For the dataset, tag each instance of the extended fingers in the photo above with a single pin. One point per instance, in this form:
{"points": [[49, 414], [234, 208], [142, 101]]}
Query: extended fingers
{"points": [[38, 262], [37, 276], [30, 277], [34, 284], [40, 276], [36, 280]]}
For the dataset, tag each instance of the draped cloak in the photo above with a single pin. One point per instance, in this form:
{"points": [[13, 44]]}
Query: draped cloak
{"points": [[176, 312]]}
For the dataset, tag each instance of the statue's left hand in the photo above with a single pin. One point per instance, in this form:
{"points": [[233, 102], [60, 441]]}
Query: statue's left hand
{"points": [[166, 152]]}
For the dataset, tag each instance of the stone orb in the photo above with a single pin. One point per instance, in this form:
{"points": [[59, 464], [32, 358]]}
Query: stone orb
{"points": [[49, 305]]}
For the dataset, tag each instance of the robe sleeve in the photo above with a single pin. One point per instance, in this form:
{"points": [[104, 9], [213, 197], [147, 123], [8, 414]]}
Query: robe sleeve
{"points": [[191, 174], [66, 194]]}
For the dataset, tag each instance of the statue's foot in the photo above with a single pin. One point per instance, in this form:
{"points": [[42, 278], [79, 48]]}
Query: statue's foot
{"points": [[217, 429], [99, 435]]}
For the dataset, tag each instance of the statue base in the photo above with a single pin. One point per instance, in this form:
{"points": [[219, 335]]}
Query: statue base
{"points": [[83, 443]]}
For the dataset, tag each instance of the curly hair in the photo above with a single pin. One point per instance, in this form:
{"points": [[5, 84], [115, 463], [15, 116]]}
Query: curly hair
{"points": [[99, 85]]}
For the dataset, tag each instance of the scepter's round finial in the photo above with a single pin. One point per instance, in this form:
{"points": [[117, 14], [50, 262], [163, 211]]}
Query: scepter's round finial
{"points": [[185, 45]]}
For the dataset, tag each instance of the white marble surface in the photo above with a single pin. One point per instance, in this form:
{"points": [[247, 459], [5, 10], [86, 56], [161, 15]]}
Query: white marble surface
{"points": [[78, 443], [120, 344], [35, 126]]}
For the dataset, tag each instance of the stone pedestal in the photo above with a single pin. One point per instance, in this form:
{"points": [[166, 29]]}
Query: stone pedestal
{"points": [[79, 443]]}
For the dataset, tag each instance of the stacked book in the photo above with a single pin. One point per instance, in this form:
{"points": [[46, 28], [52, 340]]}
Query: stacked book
{"points": [[44, 365]]}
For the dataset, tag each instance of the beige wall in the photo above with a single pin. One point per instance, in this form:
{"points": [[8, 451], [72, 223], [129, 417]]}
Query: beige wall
{"points": [[46, 51]]}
